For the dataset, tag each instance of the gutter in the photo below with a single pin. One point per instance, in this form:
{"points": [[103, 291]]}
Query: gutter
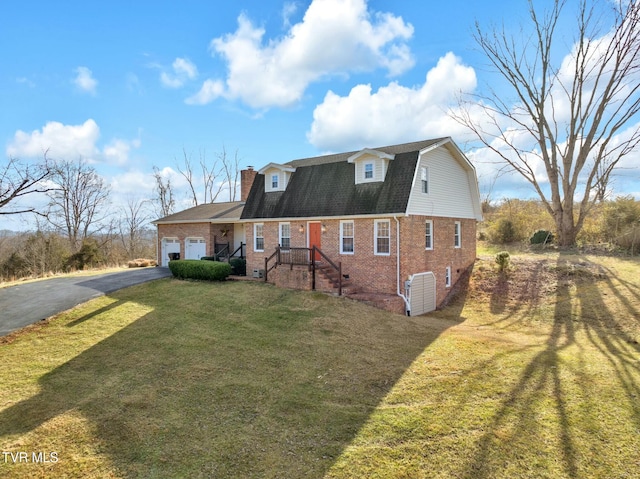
{"points": [[407, 306]]}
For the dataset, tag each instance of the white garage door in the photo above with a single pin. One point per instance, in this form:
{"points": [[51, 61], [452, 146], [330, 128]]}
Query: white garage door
{"points": [[422, 293], [169, 245], [195, 248]]}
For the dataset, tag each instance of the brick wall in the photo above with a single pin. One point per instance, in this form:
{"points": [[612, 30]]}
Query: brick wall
{"points": [[377, 273], [210, 232], [417, 259]]}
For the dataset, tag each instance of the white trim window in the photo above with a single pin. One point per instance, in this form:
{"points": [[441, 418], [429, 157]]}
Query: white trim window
{"points": [[275, 180], [428, 235], [258, 237], [285, 235], [424, 178], [457, 234], [368, 171], [447, 277], [347, 230], [382, 236]]}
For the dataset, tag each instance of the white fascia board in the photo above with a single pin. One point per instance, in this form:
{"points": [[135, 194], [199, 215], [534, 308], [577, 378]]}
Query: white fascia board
{"points": [[369, 151], [263, 170]]}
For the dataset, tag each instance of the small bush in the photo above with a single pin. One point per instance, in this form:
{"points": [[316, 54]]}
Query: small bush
{"points": [[541, 237], [238, 266], [141, 263], [195, 269], [503, 259]]}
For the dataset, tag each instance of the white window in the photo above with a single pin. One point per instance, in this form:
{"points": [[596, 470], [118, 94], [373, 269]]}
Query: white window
{"points": [[368, 171], [346, 237], [274, 181], [382, 237], [428, 236], [424, 177], [258, 237], [447, 277], [456, 235], [285, 235]]}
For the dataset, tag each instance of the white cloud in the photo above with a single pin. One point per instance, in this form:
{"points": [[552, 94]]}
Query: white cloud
{"points": [[183, 70], [61, 141], [70, 142], [394, 113], [117, 151], [84, 80], [211, 89], [288, 10], [334, 37]]}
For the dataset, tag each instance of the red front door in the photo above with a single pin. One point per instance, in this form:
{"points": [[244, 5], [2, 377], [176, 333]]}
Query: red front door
{"points": [[315, 238]]}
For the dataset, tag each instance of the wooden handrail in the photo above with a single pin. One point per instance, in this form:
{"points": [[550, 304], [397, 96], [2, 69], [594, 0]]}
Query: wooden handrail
{"points": [[292, 257], [239, 248], [337, 267], [266, 263]]}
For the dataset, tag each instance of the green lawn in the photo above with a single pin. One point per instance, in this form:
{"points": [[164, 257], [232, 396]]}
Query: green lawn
{"points": [[536, 374]]}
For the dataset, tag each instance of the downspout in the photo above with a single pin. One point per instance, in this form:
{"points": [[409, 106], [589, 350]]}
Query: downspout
{"points": [[407, 308]]}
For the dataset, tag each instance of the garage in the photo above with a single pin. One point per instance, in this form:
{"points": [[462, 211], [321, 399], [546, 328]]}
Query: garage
{"points": [[422, 293], [169, 245], [195, 248]]}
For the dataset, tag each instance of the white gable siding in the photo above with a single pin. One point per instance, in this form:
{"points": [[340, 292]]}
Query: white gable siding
{"points": [[283, 178], [379, 169], [449, 187]]}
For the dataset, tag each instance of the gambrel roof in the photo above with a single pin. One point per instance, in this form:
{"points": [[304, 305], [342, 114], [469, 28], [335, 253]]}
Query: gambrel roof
{"points": [[329, 189], [326, 186]]}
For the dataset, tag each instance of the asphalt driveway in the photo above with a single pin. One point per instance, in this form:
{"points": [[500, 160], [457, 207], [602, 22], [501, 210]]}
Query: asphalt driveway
{"points": [[29, 303]]}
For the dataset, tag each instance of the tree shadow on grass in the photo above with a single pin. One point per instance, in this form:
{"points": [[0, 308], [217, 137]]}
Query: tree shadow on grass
{"points": [[552, 383], [276, 386]]}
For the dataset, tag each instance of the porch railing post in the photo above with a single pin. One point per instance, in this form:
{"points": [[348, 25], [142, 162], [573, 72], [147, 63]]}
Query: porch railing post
{"points": [[339, 278], [266, 269], [313, 268]]}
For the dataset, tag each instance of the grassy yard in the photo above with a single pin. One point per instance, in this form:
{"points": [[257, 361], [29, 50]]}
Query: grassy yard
{"points": [[532, 374]]}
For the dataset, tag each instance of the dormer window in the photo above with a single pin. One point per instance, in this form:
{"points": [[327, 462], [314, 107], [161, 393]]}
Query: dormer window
{"points": [[368, 171], [276, 177], [370, 165]]}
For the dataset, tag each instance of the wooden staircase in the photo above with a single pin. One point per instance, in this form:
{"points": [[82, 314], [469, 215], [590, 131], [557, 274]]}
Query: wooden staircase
{"points": [[328, 280]]}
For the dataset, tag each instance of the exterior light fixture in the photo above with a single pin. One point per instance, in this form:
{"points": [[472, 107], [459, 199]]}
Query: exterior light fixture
{"points": [[301, 229]]}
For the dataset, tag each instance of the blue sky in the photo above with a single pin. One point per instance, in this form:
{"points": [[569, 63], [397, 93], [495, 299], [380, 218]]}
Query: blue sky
{"points": [[129, 85]]}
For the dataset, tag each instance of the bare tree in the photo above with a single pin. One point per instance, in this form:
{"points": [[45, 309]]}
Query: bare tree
{"points": [[134, 216], [572, 117], [78, 203], [164, 193], [18, 179], [203, 184], [206, 182], [231, 168]]}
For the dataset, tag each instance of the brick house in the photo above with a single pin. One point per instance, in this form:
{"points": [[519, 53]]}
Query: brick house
{"points": [[396, 223], [397, 220], [203, 230]]}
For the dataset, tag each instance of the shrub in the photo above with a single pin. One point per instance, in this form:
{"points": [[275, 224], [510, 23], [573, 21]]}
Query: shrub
{"points": [[141, 263], [541, 237], [503, 259], [195, 269], [506, 231], [238, 266]]}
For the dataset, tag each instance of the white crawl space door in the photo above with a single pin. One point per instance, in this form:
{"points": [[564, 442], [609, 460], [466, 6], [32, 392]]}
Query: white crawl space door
{"points": [[422, 293]]}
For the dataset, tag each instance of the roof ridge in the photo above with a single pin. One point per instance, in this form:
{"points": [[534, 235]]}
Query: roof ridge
{"points": [[338, 157]]}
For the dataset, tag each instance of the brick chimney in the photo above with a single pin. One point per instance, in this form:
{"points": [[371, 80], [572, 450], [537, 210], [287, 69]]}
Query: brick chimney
{"points": [[246, 181]]}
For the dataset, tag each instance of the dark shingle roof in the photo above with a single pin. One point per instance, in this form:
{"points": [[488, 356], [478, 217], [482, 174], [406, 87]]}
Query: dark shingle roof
{"points": [[208, 212], [391, 149], [325, 186]]}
